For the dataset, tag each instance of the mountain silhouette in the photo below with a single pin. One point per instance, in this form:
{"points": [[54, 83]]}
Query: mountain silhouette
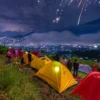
{"points": [[90, 27], [21, 36]]}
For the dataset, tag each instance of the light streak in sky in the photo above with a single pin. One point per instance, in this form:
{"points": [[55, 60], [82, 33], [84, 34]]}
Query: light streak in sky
{"points": [[80, 14], [81, 4]]}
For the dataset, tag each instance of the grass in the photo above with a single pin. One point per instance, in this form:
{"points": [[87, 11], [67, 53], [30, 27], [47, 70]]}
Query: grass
{"points": [[16, 85], [82, 61], [20, 83], [82, 75]]}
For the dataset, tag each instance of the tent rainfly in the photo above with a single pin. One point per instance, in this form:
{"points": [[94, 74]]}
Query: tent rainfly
{"points": [[40, 62], [56, 75]]}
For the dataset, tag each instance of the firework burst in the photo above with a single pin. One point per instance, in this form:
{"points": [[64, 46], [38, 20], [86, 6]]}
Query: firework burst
{"points": [[82, 4]]}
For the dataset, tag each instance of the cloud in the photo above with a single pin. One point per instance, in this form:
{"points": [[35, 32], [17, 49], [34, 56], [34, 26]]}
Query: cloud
{"points": [[91, 38], [62, 37], [4, 27], [39, 16]]}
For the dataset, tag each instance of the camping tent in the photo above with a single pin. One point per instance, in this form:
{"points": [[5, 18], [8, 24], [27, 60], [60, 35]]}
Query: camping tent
{"points": [[89, 87], [25, 57], [85, 68], [40, 62], [57, 75]]}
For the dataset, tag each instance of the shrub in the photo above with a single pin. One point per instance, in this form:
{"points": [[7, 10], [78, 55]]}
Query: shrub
{"points": [[3, 49]]}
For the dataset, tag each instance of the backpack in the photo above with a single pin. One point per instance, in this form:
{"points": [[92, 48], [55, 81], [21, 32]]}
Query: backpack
{"points": [[8, 53]]}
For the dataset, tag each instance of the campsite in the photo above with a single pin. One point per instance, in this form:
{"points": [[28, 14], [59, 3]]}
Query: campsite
{"points": [[21, 84], [43, 79], [49, 49]]}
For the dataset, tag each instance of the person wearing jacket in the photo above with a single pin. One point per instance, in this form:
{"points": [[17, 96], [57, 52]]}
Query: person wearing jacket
{"points": [[76, 67]]}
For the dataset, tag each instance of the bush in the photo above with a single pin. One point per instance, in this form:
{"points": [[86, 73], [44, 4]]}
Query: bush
{"points": [[3, 49]]}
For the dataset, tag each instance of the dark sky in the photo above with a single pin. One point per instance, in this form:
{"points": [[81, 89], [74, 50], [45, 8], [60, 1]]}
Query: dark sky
{"points": [[44, 16]]}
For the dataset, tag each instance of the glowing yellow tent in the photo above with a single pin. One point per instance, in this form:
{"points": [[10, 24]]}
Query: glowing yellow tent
{"points": [[56, 75], [25, 57], [40, 62]]}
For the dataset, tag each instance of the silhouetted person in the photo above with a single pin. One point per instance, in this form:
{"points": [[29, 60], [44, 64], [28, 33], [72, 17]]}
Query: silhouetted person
{"points": [[8, 55], [57, 57], [41, 53], [13, 51], [69, 65], [76, 67], [29, 57]]}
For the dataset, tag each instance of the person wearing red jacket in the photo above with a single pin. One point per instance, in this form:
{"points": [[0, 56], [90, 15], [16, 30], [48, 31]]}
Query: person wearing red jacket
{"points": [[95, 67], [36, 53]]}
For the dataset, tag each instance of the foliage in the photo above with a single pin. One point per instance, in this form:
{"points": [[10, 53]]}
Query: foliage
{"points": [[3, 49]]}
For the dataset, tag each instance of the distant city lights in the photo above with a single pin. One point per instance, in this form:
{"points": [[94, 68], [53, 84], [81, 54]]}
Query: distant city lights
{"points": [[95, 46]]}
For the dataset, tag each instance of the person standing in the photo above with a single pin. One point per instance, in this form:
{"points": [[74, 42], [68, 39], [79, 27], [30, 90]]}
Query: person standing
{"points": [[69, 64], [21, 53], [95, 67], [57, 57], [8, 55], [41, 53], [76, 67], [13, 51], [29, 57]]}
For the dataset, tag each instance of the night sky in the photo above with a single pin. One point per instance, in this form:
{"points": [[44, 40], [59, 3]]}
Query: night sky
{"points": [[73, 20]]}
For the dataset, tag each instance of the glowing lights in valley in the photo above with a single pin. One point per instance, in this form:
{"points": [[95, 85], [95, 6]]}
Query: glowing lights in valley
{"points": [[95, 46]]}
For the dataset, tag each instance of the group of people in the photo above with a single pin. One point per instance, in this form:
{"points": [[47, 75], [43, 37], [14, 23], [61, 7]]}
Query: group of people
{"points": [[75, 66], [88, 88], [69, 64], [14, 53]]}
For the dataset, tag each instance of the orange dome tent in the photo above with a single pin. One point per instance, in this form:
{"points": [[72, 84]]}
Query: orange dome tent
{"points": [[56, 75], [25, 57], [40, 62]]}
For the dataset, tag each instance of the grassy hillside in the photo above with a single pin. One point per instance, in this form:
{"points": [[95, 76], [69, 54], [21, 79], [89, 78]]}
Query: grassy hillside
{"points": [[20, 83]]}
